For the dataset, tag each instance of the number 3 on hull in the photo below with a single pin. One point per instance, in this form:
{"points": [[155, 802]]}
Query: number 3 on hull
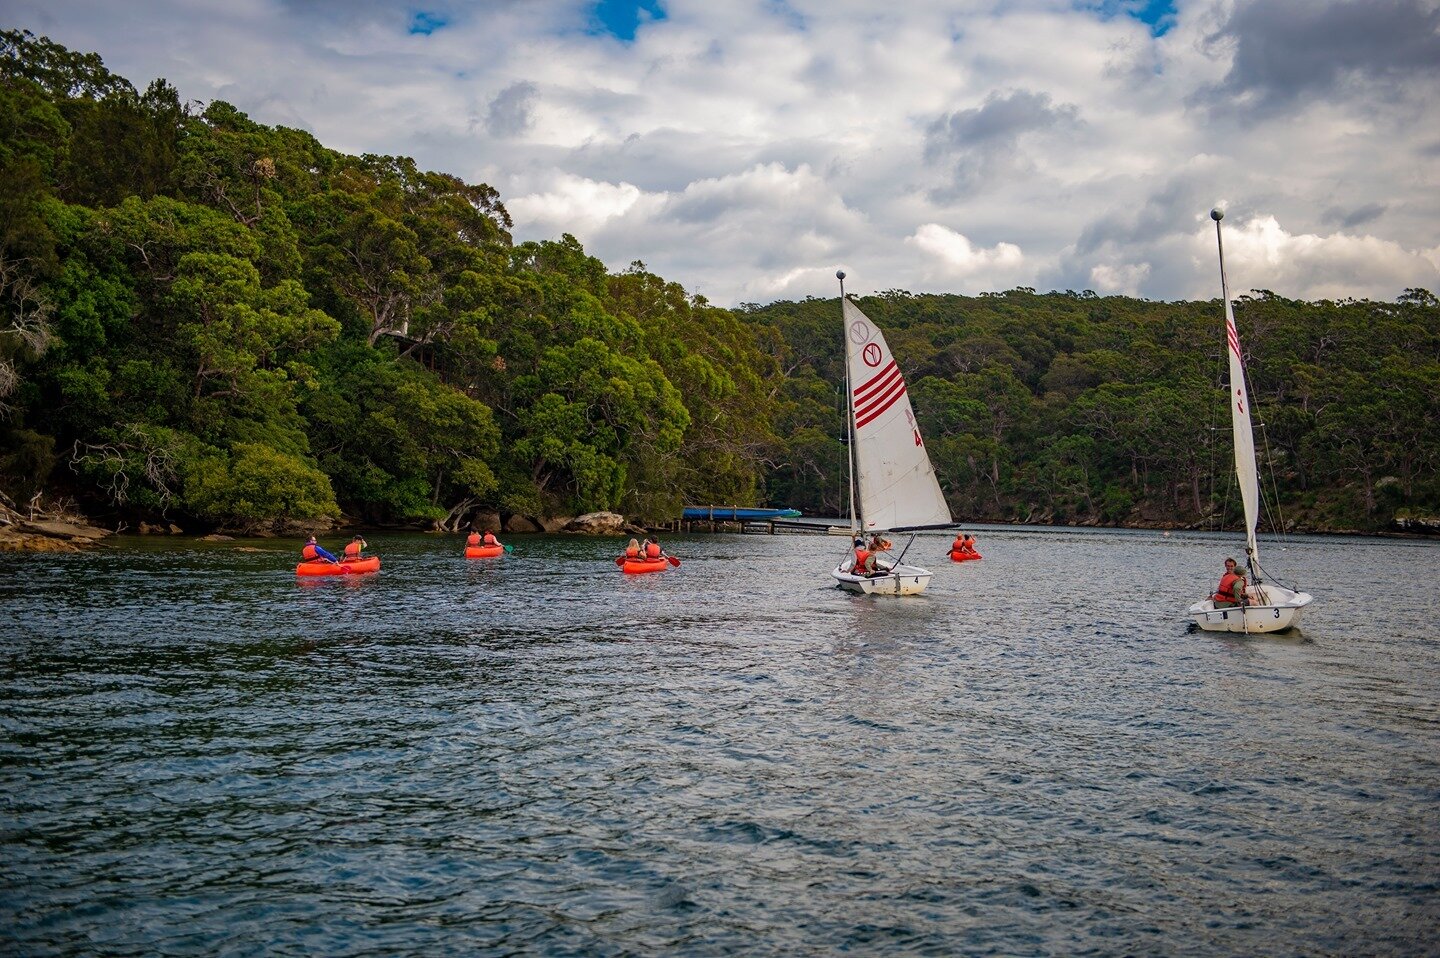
{"points": [[1268, 607]]}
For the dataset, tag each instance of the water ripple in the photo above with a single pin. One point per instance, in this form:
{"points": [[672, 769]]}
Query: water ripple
{"points": [[199, 754]]}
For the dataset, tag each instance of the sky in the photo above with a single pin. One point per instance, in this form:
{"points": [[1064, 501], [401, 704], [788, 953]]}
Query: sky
{"points": [[747, 149]]}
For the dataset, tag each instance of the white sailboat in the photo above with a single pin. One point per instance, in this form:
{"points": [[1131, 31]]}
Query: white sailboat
{"points": [[892, 484], [1268, 607]]}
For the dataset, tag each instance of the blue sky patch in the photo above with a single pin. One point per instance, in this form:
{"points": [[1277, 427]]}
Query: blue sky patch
{"points": [[1158, 15], [425, 22], [619, 18]]}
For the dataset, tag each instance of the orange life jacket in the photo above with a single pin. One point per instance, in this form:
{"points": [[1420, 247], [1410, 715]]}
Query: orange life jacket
{"points": [[1226, 590], [352, 550], [958, 545], [309, 552], [652, 551], [862, 555], [473, 539], [632, 552], [490, 539]]}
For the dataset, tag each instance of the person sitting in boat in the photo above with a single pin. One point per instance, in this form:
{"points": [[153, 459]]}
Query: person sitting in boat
{"points": [[652, 549], [313, 550], [878, 544], [864, 559], [1231, 590], [632, 551], [968, 546], [489, 539], [472, 541], [354, 548]]}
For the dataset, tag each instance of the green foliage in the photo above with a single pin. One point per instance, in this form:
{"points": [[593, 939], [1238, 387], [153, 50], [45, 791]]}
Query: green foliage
{"points": [[205, 316], [256, 484]]}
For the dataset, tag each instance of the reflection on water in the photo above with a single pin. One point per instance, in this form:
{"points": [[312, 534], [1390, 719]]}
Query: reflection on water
{"points": [[541, 755]]}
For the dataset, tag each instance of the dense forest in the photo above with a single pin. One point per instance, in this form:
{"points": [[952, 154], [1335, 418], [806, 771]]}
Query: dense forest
{"points": [[214, 321]]}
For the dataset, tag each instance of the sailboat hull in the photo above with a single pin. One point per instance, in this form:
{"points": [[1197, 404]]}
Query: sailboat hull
{"points": [[1277, 610], [896, 580]]}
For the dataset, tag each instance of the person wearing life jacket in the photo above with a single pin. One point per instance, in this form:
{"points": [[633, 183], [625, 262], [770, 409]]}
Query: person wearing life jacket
{"points": [[958, 546], [968, 546], [632, 551], [864, 559], [1231, 590], [490, 539], [472, 541], [314, 550], [353, 548], [652, 549]]}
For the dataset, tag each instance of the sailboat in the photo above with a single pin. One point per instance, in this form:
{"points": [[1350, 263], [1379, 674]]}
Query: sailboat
{"points": [[892, 484], [1268, 607]]}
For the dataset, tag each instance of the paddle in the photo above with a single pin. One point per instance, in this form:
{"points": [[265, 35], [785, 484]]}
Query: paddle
{"points": [[509, 549], [620, 560], [673, 561]]}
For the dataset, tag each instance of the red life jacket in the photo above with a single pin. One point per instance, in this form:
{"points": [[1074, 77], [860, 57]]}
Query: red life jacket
{"points": [[352, 550], [958, 545], [652, 551], [309, 552], [632, 552], [1226, 590], [490, 539], [473, 539], [862, 555]]}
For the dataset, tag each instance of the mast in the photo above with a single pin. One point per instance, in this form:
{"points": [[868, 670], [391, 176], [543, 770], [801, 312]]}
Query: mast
{"points": [[855, 523], [1246, 472]]}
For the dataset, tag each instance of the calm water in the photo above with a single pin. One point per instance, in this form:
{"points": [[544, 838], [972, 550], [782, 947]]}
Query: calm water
{"points": [[538, 755]]}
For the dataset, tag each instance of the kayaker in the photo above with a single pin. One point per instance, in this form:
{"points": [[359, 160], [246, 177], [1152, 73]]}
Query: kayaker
{"points": [[632, 551], [313, 550], [1231, 590], [472, 541], [969, 544], [353, 549], [652, 549], [490, 539]]}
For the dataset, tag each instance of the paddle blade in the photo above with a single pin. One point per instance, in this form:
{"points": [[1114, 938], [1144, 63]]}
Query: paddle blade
{"points": [[509, 549], [619, 560], [673, 561]]}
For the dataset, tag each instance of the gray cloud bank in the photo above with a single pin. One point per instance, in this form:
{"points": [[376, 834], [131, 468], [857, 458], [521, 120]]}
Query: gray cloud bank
{"points": [[747, 150]]}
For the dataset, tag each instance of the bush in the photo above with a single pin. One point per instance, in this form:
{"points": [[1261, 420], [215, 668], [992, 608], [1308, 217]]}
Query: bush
{"points": [[257, 484]]}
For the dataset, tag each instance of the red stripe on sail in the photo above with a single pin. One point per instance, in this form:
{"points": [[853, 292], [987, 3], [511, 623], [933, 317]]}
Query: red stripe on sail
{"points": [[1234, 339], [877, 409], [880, 395], [875, 382]]}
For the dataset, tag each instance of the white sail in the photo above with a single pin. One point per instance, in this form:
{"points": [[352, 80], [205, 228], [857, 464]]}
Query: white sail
{"points": [[1244, 435], [896, 483]]}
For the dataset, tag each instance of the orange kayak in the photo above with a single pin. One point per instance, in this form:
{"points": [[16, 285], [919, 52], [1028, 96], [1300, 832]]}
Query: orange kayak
{"points": [[484, 552], [356, 567], [964, 556], [637, 566]]}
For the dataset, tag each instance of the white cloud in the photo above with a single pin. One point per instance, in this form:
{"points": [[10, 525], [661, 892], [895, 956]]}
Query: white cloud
{"points": [[1261, 254], [1119, 278], [747, 149], [957, 259]]}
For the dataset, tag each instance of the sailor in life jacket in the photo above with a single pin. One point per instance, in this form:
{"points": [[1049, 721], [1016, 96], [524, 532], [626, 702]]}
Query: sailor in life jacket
{"points": [[473, 539], [314, 550], [353, 548], [1231, 590], [864, 561]]}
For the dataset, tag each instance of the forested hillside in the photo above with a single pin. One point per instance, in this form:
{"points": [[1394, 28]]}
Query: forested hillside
{"points": [[211, 319], [227, 324], [1073, 408]]}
